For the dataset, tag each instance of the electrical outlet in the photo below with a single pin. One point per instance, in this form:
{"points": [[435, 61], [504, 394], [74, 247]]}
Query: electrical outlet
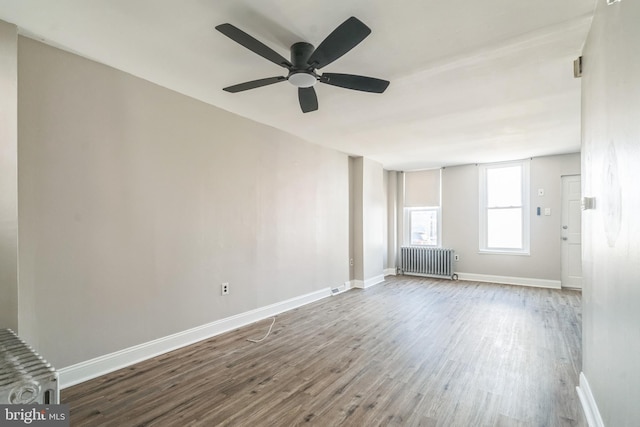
{"points": [[456, 257], [351, 262], [225, 289]]}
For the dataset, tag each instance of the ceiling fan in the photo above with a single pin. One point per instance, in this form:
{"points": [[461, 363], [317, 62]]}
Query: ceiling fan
{"points": [[305, 61]]}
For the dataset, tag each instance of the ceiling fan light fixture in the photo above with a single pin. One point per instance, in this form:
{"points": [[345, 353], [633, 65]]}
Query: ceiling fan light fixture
{"points": [[305, 60], [302, 79]]}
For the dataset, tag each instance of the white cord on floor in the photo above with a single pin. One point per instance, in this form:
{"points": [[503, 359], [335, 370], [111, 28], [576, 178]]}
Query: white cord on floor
{"points": [[268, 332]]}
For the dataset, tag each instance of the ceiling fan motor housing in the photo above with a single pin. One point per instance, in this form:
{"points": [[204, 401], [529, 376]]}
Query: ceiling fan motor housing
{"points": [[300, 53], [302, 74]]}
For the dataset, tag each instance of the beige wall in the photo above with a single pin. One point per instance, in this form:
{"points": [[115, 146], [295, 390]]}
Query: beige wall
{"points": [[460, 221], [391, 243], [356, 165], [370, 216], [136, 203], [374, 218], [611, 232], [8, 176]]}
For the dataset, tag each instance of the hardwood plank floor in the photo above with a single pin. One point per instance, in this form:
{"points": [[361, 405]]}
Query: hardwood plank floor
{"points": [[408, 352]]}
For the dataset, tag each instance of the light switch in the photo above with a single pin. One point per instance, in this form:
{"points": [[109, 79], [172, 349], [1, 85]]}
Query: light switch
{"points": [[540, 191], [547, 211]]}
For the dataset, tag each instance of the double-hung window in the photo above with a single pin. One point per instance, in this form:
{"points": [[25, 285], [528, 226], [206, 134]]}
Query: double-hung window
{"points": [[504, 208]]}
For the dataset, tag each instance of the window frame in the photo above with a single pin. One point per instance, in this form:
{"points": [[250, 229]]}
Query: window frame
{"points": [[525, 206], [407, 221]]}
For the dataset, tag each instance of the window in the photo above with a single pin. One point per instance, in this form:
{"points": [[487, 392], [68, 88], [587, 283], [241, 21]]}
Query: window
{"points": [[504, 208], [422, 212], [424, 226]]}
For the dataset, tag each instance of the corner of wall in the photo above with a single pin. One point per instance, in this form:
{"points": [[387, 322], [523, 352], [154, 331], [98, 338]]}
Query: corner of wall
{"points": [[9, 310], [589, 406]]}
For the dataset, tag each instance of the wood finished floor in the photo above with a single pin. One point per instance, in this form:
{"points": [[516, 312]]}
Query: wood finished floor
{"points": [[408, 352]]}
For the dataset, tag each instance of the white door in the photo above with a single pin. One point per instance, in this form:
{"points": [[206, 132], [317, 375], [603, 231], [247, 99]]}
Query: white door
{"points": [[571, 232]]}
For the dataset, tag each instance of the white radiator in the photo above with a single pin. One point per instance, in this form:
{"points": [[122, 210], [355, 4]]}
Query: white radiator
{"points": [[25, 377], [428, 262]]}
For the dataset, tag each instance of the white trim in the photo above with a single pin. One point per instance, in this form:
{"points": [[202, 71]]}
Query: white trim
{"points": [[508, 280], [367, 283], [101, 365], [525, 174], [373, 281], [591, 412], [407, 223], [357, 284], [389, 271], [502, 252], [341, 289]]}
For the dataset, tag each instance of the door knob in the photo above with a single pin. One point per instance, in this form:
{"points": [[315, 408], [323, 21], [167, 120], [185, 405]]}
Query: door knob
{"points": [[564, 238], [564, 227]]}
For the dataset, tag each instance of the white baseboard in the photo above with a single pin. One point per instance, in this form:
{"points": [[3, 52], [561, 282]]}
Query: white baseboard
{"points": [[357, 284], [341, 289], [373, 281], [367, 283], [507, 280], [389, 272], [93, 368], [589, 405]]}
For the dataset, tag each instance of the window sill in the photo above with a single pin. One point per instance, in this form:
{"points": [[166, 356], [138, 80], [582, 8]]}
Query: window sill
{"points": [[503, 252]]}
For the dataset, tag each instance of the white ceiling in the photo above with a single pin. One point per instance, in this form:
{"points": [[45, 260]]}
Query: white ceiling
{"points": [[471, 81]]}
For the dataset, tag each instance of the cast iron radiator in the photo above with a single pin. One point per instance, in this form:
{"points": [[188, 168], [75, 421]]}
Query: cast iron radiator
{"points": [[428, 262], [25, 377]]}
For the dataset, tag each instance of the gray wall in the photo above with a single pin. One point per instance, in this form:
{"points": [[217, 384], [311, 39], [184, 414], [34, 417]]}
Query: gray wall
{"points": [[391, 243], [356, 165], [8, 176], [136, 203], [460, 221], [369, 219], [373, 219], [611, 232]]}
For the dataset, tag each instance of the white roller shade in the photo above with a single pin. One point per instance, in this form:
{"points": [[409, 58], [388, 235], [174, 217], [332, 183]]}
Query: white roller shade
{"points": [[422, 188]]}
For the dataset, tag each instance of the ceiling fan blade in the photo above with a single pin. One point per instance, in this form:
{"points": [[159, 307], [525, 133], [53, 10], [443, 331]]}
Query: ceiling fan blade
{"points": [[340, 41], [350, 81], [253, 45], [254, 84], [308, 99]]}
